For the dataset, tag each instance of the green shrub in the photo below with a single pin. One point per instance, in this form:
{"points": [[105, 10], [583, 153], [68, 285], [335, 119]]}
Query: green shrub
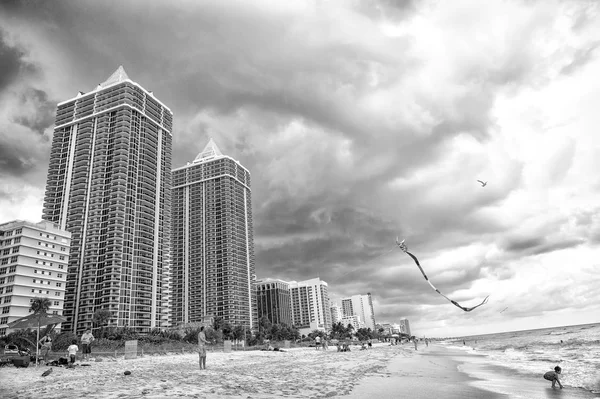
{"points": [[63, 340]]}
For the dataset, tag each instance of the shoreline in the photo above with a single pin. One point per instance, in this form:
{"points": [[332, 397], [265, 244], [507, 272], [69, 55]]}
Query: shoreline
{"points": [[383, 371]]}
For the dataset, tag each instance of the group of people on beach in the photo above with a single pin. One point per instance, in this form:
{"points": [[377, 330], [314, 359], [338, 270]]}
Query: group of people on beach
{"points": [[45, 345]]}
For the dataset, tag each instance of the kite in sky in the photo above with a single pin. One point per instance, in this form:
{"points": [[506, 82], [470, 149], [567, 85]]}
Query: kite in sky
{"points": [[403, 247], [504, 309]]}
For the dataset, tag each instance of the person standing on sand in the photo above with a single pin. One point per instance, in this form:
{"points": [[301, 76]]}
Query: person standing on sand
{"points": [[86, 343], [415, 341], [46, 345], [317, 342], [202, 348]]}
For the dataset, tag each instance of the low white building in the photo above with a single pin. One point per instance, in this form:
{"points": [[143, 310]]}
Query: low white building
{"points": [[33, 263]]}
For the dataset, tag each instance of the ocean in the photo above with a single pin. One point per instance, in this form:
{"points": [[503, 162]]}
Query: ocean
{"points": [[576, 349]]}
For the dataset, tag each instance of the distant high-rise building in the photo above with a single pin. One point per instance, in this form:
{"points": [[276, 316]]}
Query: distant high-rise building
{"points": [[33, 263], [362, 306], [213, 245], [109, 184], [405, 327], [310, 305], [336, 314], [354, 321], [273, 298]]}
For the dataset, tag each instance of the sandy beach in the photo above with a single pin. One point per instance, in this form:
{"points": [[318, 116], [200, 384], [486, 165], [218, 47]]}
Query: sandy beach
{"points": [[384, 371]]}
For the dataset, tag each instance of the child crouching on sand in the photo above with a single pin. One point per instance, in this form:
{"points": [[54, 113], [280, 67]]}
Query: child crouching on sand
{"points": [[553, 376]]}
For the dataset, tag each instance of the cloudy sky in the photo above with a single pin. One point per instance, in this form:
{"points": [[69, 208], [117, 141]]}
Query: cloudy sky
{"points": [[360, 121]]}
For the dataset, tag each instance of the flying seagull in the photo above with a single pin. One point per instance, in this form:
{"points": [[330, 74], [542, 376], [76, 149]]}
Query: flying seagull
{"points": [[483, 183], [47, 372]]}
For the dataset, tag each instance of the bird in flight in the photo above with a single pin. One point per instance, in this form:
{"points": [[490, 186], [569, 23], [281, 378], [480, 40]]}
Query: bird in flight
{"points": [[483, 183]]}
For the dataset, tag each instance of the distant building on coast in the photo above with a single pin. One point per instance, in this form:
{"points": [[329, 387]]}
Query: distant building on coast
{"points": [[336, 314], [273, 300], [213, 244], [310, 305], [405, 327], [361, 306], [109, 184], [33, 263], [353, 320]]}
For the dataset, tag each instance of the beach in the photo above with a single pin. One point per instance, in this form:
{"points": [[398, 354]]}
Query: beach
{"points": [[384, 371]]}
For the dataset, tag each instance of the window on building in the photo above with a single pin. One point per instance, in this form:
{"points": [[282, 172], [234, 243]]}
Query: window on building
{"points": [[12, 269], [55, 312], [59, 284], [59, 275], [5, 261], [10, 279], [61, 257], [35, 271], [2, 331], [3, 270], [8, 299], [5, 309], [17, 240], [15, 250], [9, 289], [4, 320], [61, 267], [6, 251], [1, 290], [57, 294], [18, 231], [56, 303], [14, 259]]}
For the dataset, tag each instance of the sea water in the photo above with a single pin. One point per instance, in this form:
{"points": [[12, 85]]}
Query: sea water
{"points": [[576, 349]]}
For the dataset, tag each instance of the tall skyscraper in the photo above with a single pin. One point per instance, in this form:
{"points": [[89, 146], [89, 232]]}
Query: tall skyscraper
{"points": [[311, 309], [213, 245], [33, 263], [361, 306], [109, 184], [273, 297]]}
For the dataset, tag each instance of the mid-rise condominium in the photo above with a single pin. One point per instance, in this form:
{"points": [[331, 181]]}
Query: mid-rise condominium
{"points": [[273, 297], [311, 309], [213, 246], [109, 184], [33, 263], [361, 306]]}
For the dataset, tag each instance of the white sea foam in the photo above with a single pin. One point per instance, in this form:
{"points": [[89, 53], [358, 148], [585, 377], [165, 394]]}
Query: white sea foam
{"points": [[533, 352]]}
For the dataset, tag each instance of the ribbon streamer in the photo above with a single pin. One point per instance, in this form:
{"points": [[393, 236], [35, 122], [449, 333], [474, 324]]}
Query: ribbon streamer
{"points": [[404, 248]]}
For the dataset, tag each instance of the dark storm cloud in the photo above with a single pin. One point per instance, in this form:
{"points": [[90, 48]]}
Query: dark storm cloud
{"points": [[521, 246], [41, 111], [11, 62], [15, 161]]}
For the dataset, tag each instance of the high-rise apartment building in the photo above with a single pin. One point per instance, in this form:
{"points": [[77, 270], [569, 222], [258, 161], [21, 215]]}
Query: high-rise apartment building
{"points": [[213, 245], [310, 305], [109, 184], [361, 306], [273, 299], [33, 263], [404, 327]]}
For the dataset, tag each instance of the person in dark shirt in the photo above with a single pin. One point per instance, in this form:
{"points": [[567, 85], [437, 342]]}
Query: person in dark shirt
{"points": [[553, 376]]}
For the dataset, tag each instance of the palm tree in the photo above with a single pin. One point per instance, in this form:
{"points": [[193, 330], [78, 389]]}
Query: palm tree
{"points": [[40, 305], [101, 318]]}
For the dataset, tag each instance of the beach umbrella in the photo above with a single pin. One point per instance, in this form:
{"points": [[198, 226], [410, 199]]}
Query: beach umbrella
{"points": [[38, 319]]}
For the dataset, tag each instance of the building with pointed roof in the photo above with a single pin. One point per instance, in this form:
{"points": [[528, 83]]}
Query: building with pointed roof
{"points": [[213, 245], [109, 185]]}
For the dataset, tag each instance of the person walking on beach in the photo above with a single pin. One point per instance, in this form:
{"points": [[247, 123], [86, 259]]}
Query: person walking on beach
{"points": [[72, 350], [317, 342], [415, 341], [202, 341], [553, 376], [86, 343]]}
